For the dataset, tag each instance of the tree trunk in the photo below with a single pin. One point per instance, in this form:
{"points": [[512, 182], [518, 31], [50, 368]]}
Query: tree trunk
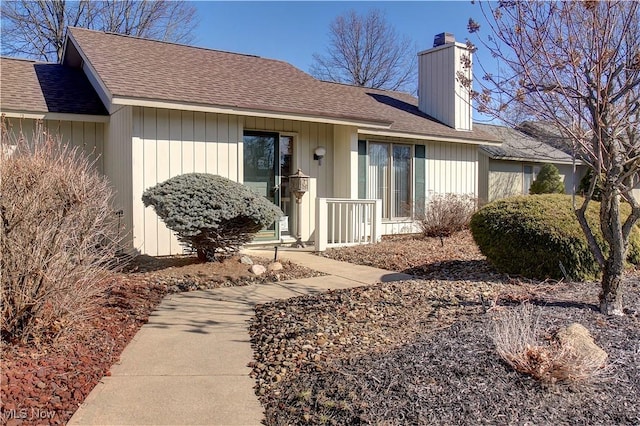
{"points": [[613, 271], [611, 294]]}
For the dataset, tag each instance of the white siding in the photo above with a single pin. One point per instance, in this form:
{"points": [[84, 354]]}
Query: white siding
{"points": [[117, 166], [399, 227], [452, 168], [345, 162], [505, 179], [483, 178], [166, 143], [85, 135], [440, 95], [571, 180]]}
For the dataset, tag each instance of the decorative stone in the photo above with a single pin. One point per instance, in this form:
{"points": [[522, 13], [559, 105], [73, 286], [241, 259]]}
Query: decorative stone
{"points": [[578, 339], [246, 260], [258, 270], [275, 266]]}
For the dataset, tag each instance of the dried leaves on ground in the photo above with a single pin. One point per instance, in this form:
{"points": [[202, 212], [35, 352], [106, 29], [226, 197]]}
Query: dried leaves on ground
{"points": [[420, 351], [45, 382]]}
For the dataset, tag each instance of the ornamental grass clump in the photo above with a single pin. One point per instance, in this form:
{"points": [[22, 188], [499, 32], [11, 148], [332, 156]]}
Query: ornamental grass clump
{"points": [[538, 236], [567, 355], [59, 236], [211, 214]]}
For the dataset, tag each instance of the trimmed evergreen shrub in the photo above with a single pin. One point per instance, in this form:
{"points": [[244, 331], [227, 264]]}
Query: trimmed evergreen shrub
{"points": [[548, 181], [210, 213], [585, 183], [532, 235]]}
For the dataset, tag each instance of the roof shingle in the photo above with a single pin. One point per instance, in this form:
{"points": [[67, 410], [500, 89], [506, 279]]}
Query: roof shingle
{"points": [[518, 146], [37, 87], [144, 69]]}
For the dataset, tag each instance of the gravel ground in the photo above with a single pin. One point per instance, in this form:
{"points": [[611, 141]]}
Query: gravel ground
{"points": [[420, 352]]}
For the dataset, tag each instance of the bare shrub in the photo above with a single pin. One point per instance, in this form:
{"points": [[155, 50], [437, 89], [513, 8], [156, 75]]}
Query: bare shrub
{"points": [[58, 235], [522, 344], [444, 214]]}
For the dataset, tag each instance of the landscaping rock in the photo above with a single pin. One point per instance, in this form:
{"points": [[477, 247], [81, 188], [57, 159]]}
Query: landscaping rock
{"points": [[258, 270], [275, 266], [577, 338], [246, 260]]}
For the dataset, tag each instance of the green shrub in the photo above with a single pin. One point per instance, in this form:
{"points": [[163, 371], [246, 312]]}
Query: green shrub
{"points": [[585, 184], [210, 213], [548, 181], [531, 235]]}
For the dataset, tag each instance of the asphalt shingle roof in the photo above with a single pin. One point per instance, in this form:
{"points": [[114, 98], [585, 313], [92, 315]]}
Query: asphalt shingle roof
{"points": [[519, 146], [37, 87], [144, 69]]}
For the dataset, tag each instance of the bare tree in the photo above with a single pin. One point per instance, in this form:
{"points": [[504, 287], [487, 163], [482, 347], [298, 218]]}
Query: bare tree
{"points": [[576, 66], [36, 28], [366, 51]]}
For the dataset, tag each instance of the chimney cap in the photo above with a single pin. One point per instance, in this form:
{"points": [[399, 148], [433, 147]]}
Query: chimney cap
{"points": [[443, 38]]}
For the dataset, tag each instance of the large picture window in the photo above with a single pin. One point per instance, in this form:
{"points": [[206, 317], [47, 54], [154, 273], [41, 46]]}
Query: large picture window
{"points": [[389, 177]]}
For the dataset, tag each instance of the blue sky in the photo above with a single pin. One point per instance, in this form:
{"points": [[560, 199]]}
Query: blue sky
{"points": [[293, 31]]}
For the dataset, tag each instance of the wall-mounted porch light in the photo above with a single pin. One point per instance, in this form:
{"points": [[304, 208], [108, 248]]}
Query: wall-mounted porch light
{"points": [[318, 154]]}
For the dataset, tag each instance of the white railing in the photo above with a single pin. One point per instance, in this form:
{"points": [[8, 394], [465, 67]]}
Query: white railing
{"points": [[343, 222]]}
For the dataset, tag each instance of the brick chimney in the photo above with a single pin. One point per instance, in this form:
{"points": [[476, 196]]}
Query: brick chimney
{"points": [[440, 95]]}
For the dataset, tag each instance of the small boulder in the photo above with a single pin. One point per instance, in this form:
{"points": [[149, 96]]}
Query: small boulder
{"points": [[258, 270], [577, 338], [246, 260], [275, 266]]}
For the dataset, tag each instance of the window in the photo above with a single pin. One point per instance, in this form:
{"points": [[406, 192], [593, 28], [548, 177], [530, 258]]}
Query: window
{"points": [[529, 174], [389, 177]]}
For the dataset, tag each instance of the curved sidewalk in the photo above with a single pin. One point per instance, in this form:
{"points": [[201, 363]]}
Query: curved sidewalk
{"points": [[188, 364]]}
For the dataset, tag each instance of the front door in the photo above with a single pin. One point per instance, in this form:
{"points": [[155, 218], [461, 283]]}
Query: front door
{"points": [[267, 165]]}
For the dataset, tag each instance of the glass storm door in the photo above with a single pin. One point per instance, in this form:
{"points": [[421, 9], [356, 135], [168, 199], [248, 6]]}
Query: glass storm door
{"points": [[287, 200], [262, 172]]}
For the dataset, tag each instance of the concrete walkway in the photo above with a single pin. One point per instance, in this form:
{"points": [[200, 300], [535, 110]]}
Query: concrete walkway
{"points": [[188, 364]]}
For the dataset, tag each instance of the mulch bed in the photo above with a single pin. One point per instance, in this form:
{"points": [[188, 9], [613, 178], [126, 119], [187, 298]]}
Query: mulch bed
{"points": [[45, 382], [420, 351]]}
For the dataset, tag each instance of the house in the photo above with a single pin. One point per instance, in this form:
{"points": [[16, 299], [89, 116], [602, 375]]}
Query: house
{"points": [[150, 110], [510, 168]]}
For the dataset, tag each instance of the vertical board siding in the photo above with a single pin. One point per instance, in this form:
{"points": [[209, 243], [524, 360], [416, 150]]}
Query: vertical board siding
{"points": [[167, 143], [483, 178], [118, 167], [442, 96], [452, 168], [86, 136], [150, 170], [137, 181], [163, 172]]}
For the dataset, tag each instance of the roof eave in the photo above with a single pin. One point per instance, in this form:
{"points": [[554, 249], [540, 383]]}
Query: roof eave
{"points": [[57, 116], [429, 137], [534, 160], [243, 111], [92, 75]]}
